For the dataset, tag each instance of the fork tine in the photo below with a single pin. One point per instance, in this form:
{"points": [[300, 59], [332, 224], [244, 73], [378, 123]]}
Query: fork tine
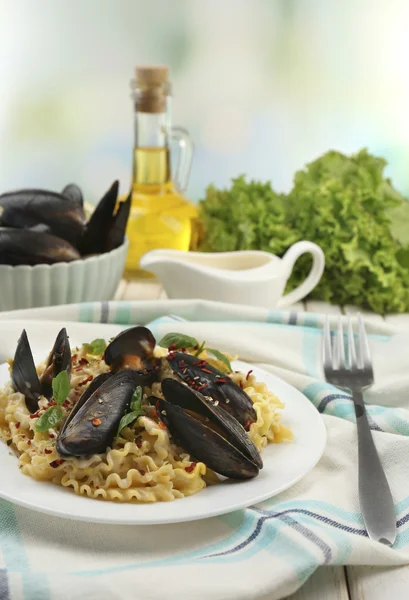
{"points": [[326, 344], [351, 346], [339, 348], [365, 352]]}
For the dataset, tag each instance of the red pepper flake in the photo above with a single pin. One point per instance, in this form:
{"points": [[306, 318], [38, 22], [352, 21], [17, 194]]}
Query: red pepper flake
{"points": [[240, 384], [48, 451], [74, 357], [17, 425], [162, 425], [78, 369], [154, 414], [184, 350], [201, 363], [172, 347], [35, 415], [247, 425], [96, 422], [51, 435], [191, 467], [249, 373], [52, 403], [90, 378], [57, 463], [221, 380], [171, 355], [206, 371], [138, 441], [28, 442], [83, 361]]}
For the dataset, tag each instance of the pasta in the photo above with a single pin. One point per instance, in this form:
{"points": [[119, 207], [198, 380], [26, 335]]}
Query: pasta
{"points": [[143, 464]]}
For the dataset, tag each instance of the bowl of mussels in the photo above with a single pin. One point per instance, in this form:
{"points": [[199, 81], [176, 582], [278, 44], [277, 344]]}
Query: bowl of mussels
{"points": [[54, 251]]}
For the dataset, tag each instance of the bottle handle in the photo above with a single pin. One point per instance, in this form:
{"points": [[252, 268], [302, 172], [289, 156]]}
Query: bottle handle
{"points": [[186, 147]]}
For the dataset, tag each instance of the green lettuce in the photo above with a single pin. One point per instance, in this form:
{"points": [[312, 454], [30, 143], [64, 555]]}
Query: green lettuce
{"points": [[344, 204]]}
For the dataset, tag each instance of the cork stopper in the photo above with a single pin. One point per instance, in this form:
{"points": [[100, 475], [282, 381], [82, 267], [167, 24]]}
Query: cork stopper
{"points": [[151, 88]]}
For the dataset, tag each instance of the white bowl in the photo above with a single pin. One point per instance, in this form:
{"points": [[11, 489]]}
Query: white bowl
{"points": [[90, 279]]}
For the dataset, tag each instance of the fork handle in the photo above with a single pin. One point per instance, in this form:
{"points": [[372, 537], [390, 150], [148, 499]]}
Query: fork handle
{"points": [[375, 495]]}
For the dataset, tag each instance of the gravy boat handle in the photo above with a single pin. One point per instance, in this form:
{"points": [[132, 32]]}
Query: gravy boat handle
{"points": [[314, 276]]}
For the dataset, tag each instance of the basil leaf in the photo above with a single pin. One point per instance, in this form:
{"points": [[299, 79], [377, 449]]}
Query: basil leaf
{"points": [[128, 419], [220, 356], [61, 387], [96, 347], [136, 401], [49, 419], [179, 340]]}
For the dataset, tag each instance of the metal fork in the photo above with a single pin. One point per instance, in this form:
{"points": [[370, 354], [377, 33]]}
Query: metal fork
{"points": [[374, 493]]}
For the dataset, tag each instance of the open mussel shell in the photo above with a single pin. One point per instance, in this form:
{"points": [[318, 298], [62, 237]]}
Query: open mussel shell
{"points": [[200, 375], [59, 360], [207, 432], [131, 349], [27, 247], [99, 225], [91, 428], [26, 208], [24, 375]]}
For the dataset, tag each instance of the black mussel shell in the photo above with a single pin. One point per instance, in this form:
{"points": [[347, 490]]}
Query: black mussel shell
{"points": [[91, 428], [131, 349], [116, 232], [27, 208], [202, 376], [24, 375], [208, 432], [73, 192], [27, 247], [96, 232], [58, 360]]}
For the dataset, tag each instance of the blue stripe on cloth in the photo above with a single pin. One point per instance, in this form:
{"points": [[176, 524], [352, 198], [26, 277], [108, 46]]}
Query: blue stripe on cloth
{"points": [[4, 585], [123, 313], [35, 586], [293, 318], [86, 312]]}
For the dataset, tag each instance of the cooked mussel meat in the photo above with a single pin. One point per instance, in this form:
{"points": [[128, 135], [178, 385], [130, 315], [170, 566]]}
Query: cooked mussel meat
{"points": [[91, 426], [24, 374], [27, 208], [28, 247], [205, 430], [132, 349], [202, 376]]}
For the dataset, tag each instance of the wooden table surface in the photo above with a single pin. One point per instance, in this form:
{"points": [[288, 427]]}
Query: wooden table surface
{"points": [[327, 583]]}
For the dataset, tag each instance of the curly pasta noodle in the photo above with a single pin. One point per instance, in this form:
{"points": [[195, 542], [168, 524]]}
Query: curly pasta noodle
{"points": [[144, 465]]}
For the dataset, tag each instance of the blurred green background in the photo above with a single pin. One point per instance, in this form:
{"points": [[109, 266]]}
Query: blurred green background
{"points": [[263, 86]]}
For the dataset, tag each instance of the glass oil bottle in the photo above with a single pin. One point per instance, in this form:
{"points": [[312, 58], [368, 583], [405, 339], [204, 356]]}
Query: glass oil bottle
{"points": [[161, 217]]}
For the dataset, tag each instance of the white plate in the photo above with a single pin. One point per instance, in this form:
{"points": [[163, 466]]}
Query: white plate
{"points": [[284, 464]]}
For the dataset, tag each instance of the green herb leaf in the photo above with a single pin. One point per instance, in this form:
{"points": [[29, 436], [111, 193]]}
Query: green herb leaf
{"points": [[128, 419], [61, 387], [200, 349], [220, 356], [136, 402], [96, 347], [49, 419], [179, 340]]}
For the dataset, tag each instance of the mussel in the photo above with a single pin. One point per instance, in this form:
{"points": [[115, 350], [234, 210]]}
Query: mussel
{"points": [[205, 430], [32, 247], [24, 375], [91, 426], [73, 192], [203, 377], [27, 208], [132, 349], [42, 226]]}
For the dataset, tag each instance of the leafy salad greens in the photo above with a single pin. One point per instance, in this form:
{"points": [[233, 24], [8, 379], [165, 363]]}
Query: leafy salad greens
{"points": [[344, 204]]}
